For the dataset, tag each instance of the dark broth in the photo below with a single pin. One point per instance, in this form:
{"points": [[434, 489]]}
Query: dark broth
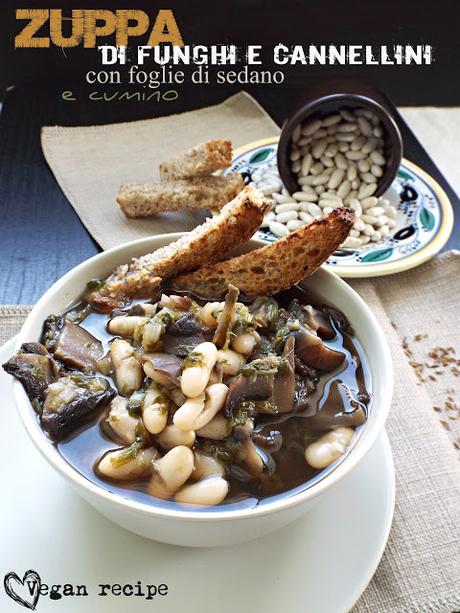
{"points": [[292, 475]]}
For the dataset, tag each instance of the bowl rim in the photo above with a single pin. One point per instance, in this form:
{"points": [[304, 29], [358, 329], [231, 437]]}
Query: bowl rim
{"points": [[78, 480]]}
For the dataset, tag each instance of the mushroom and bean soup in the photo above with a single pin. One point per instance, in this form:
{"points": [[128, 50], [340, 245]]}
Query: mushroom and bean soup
{"points": [[182, 401]]}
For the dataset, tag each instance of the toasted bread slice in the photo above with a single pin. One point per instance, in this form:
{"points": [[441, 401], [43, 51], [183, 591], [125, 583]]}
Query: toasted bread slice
{"points": [[204, 192], [275, 267], [208, 243], [203, 159]]}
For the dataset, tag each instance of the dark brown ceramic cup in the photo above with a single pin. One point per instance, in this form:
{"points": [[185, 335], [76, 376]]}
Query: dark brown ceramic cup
{"points": [[329, 97]]}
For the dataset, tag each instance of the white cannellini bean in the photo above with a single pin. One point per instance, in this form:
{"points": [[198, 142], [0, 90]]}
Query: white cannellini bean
{"points": [[363, 166], [287, 207], [377, 158], [185, 416], [305, 217], [355, 205], [196, 413], [121, 421], [209, 312], [294, 224], [375, 211], [347, 115], [369, 219], [381, 221], [336, 178], [328, 447], [297, 133], [369, 202], [231, 361], [376, 171], [331, 120], [207, 492], [313, 209], [390, 211], [351, 243], [120, 466], [155, 409], [171, 436], [307, 162], [128, 371], [280, 199], [366, 190], [308, 129], [124, 325], [391, 223], [217, 429], [206, 465], [317, 169], [286, 216], [365, 127], [171, 472], [278, 229], [245, 343], [195, 378], [376, 237], [370, 145], [368, 177], [156, 375]]}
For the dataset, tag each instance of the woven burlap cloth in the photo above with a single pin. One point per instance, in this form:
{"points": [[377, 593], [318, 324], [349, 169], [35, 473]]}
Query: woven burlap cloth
{"points": [[418, 311], [90, 163]]}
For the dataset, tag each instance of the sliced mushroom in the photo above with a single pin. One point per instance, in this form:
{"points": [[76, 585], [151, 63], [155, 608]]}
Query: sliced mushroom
{"points": [[310, 349], [341, 408], [70, 401], [320, 322], [34, 370], [183, 336], [284, 384], [227, 316], [164, 368], [246, 388], [72, 344], [265, 311]]}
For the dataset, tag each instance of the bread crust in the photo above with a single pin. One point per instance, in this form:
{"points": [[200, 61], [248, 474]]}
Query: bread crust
{"points": [[208, 243], [145, 199], [203, 159], [274, 267]]}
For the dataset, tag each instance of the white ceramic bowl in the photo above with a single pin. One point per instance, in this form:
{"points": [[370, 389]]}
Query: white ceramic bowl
{"points": [[197, 528]]}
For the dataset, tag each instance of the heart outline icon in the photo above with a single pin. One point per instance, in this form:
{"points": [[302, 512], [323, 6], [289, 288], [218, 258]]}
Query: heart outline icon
{"points": [[29, 576]]}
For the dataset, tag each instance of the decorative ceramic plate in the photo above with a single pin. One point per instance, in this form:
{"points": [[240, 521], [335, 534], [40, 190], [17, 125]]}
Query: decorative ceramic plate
{"points": [[423, 224]]}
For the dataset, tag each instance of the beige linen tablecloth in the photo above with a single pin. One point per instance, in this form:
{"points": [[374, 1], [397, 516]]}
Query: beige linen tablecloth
{"points": [[418, 310]]}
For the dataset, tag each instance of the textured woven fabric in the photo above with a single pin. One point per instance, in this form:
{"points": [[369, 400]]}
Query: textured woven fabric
{"points": [[420, 569], [90, 163]]}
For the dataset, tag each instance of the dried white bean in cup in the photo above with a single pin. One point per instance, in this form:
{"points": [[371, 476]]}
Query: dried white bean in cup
{"points": [[286, 207], [286, 216], [123, 465], [278, 229], [197, 369], [328, 447], [171, 472], [207, 492], [294, 224]]}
